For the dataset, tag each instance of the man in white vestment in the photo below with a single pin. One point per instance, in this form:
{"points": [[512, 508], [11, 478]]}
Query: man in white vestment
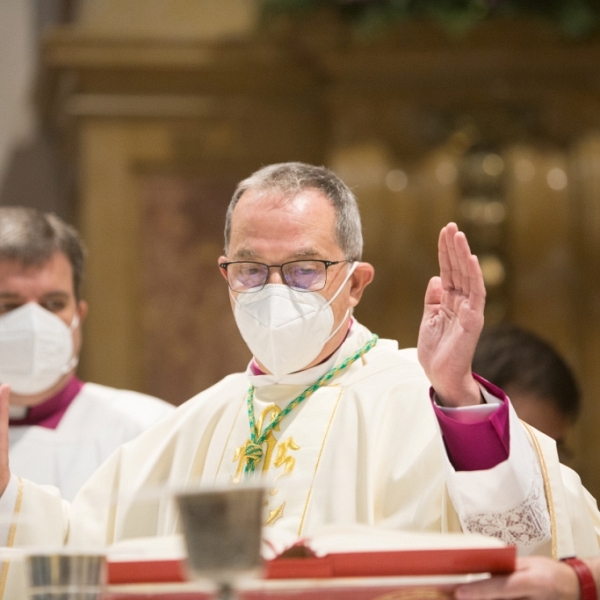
{"points": [[341, 426], [61, 429]]}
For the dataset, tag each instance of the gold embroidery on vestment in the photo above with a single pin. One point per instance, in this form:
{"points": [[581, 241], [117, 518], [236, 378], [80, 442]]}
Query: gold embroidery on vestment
{"points": [[11, 537], [275, 515], [547, 488], [273, 492], [240, 453], [232, 478], [239, 456], [271, 411], [283, 459]]}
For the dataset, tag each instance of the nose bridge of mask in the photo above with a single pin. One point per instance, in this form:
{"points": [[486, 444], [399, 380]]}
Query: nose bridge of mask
{"points": [[270, 307]]}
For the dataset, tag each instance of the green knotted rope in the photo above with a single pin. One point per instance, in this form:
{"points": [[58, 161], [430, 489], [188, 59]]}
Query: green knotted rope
{"points": [[254, 451]]}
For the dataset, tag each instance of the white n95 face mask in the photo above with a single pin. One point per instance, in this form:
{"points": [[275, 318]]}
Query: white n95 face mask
{"points": [[286, 329], [36, 349]]}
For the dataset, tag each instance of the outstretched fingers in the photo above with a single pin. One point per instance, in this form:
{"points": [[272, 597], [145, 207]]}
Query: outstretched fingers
{"points": [[477, 291], [447, 273], [459, 267], [433, 294], [473, 283], [463, 258], [453, 249]]}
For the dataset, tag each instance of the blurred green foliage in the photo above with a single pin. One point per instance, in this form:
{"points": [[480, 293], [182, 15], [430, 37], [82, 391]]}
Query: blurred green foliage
{"points": [[574, 18]]}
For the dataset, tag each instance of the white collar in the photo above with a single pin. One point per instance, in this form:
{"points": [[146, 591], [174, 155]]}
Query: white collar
{"points": [[356, 338]]}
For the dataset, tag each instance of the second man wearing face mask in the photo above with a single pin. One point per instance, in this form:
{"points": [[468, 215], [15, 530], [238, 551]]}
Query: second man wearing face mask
{"points": [[61, 429]]}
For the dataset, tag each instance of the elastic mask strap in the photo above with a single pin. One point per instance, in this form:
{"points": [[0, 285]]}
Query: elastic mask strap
{"points": [[350, 271], [74, 323], [71, 364], [74, 361], [348, 311], [338, 327], [233, 297]]}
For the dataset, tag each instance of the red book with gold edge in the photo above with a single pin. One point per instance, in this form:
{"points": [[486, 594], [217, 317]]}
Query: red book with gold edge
{"points": [[358, 554]]}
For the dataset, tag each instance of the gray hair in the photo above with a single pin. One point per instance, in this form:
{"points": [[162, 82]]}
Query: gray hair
{"points": [[292, 178], [32, 237]]}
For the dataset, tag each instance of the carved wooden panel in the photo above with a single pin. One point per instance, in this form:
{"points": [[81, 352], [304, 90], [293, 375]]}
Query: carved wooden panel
{"points": [[190, 337]]}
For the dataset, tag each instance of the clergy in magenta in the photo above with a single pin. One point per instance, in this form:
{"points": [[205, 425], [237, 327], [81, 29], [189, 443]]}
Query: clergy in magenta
{"points": [[49, 413], [340, 424], [61, 429]]}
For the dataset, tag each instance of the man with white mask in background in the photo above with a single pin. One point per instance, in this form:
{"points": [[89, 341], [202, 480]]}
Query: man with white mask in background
{"points": [[61, 429], [341, 426]]}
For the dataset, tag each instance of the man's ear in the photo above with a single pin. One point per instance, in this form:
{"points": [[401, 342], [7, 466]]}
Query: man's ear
{"points": [[222, 259], [82, 310], [359, 280]]}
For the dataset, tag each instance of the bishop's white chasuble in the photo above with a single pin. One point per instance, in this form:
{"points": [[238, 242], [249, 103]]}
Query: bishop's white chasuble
{"points": [[363, 448]]}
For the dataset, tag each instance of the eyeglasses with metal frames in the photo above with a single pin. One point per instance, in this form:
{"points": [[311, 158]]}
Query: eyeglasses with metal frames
{"points": [[300, 275]]}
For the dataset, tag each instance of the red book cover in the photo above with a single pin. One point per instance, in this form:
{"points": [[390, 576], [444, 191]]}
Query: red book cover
{"points": [[346, 564], [146, 571], [395, 562], [355, 554]]}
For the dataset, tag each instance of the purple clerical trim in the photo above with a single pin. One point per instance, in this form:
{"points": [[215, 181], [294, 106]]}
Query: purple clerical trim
{"points": [[49, 413], [255, 368], [479, 445]]}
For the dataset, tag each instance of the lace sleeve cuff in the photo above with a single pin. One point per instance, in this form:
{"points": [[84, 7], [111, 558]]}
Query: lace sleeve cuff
{"points": [[506, 501]]}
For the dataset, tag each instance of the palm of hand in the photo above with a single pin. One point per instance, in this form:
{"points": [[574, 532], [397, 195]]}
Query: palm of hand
{"points": [[452, 319]]}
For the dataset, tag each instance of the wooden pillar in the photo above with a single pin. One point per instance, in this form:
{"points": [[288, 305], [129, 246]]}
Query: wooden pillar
{"points": [[109, 216]]}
